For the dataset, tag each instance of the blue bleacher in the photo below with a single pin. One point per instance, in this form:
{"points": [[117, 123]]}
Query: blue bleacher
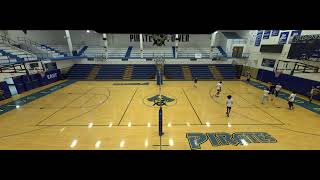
{"points": [[6, 92], [145, 71], [227, 71], [111, 72], [173, 71], [201, 71], [79, 71]]}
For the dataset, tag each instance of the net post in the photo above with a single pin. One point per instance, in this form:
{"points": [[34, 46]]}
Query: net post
{"points": [[160, 121]]}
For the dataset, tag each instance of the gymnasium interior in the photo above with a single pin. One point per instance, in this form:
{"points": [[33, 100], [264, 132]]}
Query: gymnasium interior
{"points": [[87, 90]]}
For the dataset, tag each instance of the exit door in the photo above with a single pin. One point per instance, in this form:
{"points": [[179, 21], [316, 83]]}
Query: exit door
{"points": [[237, 51]]}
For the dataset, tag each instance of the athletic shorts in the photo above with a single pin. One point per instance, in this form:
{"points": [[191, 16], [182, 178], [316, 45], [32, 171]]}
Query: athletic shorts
{"points": [[290, 103], [228, 107]]}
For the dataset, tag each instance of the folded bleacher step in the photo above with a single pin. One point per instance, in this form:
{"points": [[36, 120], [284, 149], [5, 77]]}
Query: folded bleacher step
{"points": [[186, 73], [128, 73], [93, 73], [215, 72]]}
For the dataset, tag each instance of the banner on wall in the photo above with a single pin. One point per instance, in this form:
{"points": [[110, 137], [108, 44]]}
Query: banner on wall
{"points": [[283, 38], [305, 48], [293, 34], [275, 33], [150, 38], [258, 38], [296, 33], [266, 34]]}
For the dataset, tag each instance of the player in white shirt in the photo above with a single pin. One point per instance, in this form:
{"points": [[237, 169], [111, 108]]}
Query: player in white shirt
{"points": [[229, 104], [277, 89], [219, 85], [265, 96], [291, 100]]}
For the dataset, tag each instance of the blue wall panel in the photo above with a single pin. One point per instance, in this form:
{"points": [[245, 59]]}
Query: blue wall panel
{"points": [[300, 85]]}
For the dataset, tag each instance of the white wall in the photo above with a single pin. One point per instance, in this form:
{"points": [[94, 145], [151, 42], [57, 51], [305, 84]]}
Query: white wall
{"points": [[80, 37], [40, 36], [227, 44]]}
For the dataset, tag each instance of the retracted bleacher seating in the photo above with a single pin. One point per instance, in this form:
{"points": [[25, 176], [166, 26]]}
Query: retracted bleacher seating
{"points": [[111, 72], [79, 71], [201, 71], [228, 71], [173, 71], [145, 71]]}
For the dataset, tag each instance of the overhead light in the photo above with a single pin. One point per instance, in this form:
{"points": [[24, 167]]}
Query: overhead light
{"points": [[229, 124], [90, 125], [74, 143], [110, 124], [188, 124], [208, 124], [122, 143], [146, 143], [88, 31], [169, 124], [98, 143], [61, 130], [149, 124], [129, 124], [171, 143], [244, 142]]}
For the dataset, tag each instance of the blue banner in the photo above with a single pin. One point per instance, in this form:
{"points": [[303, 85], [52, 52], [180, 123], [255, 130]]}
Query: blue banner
{"points": [[296, 33], [266, 34], [283, 38], [275, 33], [258, 38]]}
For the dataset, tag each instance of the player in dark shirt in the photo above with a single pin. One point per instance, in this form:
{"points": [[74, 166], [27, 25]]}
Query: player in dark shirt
{"points": [[195, 82], [272, 88]]}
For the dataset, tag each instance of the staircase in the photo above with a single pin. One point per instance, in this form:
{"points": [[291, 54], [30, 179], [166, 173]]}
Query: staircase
{"points": [[93, 73], [186, 72], [127, 73], [216, 73], [224, 54]]}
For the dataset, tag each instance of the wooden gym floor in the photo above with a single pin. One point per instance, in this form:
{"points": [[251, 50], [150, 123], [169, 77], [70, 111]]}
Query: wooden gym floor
{"points": [[101, 115]]}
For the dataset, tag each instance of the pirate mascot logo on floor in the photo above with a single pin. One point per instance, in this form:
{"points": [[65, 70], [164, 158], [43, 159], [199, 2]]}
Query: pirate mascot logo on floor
{"points": [[159, 100]]}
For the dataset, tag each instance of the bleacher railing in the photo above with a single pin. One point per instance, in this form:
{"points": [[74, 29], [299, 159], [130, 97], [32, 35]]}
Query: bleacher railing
{"points": [[13, 44], [239, 41]]}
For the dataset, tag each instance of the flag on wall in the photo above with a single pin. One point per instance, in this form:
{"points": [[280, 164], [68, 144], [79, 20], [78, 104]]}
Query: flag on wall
{"points": [[275, 33], [293, 34], [258, 38], [266, 34], [296, 33], [283, 38]]}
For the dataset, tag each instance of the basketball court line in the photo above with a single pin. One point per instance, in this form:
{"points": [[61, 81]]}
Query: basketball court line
{"points": [[61, 108], [27, 99], [192, 106], [253, 106], [143, 125], [299, 101], [128, 105]]}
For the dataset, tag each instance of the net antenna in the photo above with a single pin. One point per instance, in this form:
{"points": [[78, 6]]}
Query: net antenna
{"points": [[159, 62]]}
